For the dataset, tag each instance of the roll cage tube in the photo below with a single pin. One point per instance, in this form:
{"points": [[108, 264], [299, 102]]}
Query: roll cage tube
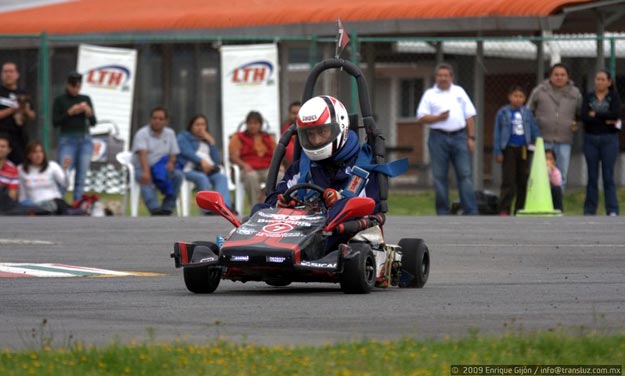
{"points": [[374, 137]]}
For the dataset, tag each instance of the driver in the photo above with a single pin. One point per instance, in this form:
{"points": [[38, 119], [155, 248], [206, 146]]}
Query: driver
{"points": [[330, 152]]}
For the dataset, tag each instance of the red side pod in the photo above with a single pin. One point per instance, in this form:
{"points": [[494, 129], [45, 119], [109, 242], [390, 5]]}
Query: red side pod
{"points": [[354, 208]]}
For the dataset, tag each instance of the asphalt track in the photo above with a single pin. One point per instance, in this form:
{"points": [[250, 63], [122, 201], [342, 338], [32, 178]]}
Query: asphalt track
{"points": [[489, 274]]}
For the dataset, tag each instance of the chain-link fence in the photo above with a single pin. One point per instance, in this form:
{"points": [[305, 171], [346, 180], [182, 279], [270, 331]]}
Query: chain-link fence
{"points": [[183, 74]]}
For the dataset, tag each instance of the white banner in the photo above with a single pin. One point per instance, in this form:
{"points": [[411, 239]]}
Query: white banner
{"points": [[109, 79], [249, 82]]}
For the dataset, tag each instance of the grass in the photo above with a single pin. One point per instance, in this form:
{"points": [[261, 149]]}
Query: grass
{"points": [[422, 203], [368, 357]]}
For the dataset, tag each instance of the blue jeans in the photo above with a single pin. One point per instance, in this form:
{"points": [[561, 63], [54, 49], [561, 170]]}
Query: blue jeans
{"points": [[451, 148], [148, 192], [563, 158], [601, 148], [215, 182], [79, 149]]}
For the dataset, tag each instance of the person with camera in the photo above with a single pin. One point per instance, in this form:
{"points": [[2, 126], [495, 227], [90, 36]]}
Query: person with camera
{"points": [[73, 114], [200, 158], [16, 112]]}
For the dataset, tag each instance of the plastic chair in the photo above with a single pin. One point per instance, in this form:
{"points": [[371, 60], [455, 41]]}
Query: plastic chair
{"points": [[125, 159], [187, 187]]}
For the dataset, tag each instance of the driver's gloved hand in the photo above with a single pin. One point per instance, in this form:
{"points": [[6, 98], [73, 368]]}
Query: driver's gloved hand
{"points": [[284, 203], [331, 196]]}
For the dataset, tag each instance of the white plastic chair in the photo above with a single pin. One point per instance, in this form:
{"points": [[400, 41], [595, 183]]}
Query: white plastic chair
{"points": [[125, 159], [187, 187]]}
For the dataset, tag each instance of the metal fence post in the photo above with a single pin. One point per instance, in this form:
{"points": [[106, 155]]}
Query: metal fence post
{"points": [[613, 57], [313, 52], [356, 61], [44, 90], [478, 92]]}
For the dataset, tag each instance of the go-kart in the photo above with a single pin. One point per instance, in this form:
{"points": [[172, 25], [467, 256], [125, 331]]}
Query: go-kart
{"points": [[279, 246]]}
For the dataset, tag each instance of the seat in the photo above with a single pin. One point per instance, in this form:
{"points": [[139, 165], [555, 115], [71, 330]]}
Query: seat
{"points": [[125, 159], [187, 187]]}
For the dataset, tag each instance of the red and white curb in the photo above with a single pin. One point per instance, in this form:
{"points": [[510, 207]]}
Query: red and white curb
{"points": [[17, 270]]}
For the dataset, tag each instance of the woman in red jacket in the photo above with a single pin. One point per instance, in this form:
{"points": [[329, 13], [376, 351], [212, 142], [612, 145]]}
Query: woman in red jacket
{"points": [[252, 150]]}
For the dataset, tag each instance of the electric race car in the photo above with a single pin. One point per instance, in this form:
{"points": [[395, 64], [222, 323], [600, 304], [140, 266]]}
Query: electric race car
{"points": [[279, 246]]}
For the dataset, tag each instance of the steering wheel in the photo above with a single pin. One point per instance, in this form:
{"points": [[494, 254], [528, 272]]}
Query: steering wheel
{"points": [[314, 201]]}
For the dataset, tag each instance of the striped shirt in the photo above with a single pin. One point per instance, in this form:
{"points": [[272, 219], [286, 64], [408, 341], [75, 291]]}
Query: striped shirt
{"points": [[9, 176]]}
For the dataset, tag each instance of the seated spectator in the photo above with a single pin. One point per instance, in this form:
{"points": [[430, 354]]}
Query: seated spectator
{"points": [[252, 150], [9, 178], [200, 158], [555, 179], [41, 180], [155, 149]]}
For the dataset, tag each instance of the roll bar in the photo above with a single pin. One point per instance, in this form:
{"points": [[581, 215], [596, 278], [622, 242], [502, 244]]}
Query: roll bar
{"points": [[374, 137]]}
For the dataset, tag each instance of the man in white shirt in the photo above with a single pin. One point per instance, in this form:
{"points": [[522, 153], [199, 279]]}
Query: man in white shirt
{"points": [[448, 111]]}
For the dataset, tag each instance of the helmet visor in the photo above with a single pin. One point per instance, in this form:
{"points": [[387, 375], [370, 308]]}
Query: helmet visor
{"points": [[318, 136]]}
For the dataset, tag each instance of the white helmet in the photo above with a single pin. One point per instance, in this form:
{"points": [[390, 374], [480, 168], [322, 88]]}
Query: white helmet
{"points": [[322, 127]]}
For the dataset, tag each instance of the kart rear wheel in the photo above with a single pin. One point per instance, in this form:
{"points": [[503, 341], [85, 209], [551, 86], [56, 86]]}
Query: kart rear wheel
{"points": [[415, 262], [358, 275], [202, 279]]}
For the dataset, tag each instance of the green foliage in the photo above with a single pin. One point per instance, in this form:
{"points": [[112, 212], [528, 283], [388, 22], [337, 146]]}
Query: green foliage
{"points": [[401, 357]]}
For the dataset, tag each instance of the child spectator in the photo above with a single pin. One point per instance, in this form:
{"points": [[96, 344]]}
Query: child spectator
{"points": [[515, 133], [9, 182], [41, 180], [555, 179]]}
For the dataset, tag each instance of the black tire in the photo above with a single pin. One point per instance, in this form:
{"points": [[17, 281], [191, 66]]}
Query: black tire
{"points": [[202, 279], [278, 282], [416, 261], [359, 273]]}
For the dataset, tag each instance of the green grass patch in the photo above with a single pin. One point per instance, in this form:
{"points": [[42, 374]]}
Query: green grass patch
{"points": [[419, 203], [401, 357]]}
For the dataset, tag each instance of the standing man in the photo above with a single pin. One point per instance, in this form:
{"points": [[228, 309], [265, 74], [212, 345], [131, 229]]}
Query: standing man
{"points": [[556, 102], [15, 112], [291, 118], [73, 114], [448, 111], [155, 149]]}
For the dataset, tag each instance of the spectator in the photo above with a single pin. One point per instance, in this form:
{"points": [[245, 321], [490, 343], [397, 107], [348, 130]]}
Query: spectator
{"points": [[200, 158], [252, 150], [291, 119], [556, 103], [155, 149], [600, 112], [555, 179], [16, 111], [515, 133], [9, 177], [73, 114], [41, 181], [448, 111]]}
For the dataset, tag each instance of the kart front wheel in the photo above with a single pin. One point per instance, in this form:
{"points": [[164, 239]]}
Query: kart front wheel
{"points": [[202, 279], [358, 275], [415, 263]]}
